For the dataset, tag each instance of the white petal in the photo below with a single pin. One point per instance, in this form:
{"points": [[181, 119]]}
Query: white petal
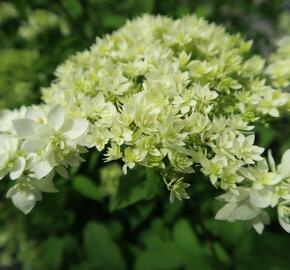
{"points": [[271, 161], [24, 127], [62, 171], [247, 174], [18, 168], [244, 212], [23, 199], [284, 222], [258, 225], [33, 144], [285, 225], [45, 184], [225, 212], [23, 202], [261, 198], [284, 168], [11, 191], [44, 131], [55, 118], [251, 139], [75, 128], [239, 195], [35, 114], [44, 167]]}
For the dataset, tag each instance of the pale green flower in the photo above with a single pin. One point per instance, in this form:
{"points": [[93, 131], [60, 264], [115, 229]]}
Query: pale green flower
{"points": [[177, 190], [244, 149], [213, 168], [113, 152], [131, 157]]}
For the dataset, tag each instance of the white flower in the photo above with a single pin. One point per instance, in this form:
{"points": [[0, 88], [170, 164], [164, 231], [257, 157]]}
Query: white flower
{"points": [[244, 149], [284, 167], [240, 206], [264, 198], [27, 192], [237, 211], [177, 190], [97, 137], [260, 175], [113, 153], [7, 116], [284, 215], [24, 196], [214, 167], [51, 143], [203, 94], [11, 160], [260, 221]]}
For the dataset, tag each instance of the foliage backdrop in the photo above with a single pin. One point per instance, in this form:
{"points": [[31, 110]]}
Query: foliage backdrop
{"points": [[137, 227]]}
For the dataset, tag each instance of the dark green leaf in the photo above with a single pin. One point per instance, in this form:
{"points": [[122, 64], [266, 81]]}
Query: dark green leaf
{"points": [[87, 188], [101, 251], [113, 21], [139, 184], [265, 135], [164, 256], [51, 252], [185, 237]]}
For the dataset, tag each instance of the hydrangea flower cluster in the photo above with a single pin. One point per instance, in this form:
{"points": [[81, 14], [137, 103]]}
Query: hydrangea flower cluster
{"points": [[176, 95]]}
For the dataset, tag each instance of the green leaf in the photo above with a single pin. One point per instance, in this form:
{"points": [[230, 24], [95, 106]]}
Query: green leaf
{"points": [[73, 7], [101, 251], [51, 252], [185, 237], [154, 182], [146, 5], [221, 253], [113, 21], [139, 184], [164, 255], [87, 188], [263, 252], [186, 240], [93, 161], [204, 10], [141, 213], [266, 135], [82, 266]]}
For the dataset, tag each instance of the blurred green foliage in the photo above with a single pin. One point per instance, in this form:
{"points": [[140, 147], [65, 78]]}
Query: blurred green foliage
{"points": [[18, 79], [102, 220]]}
